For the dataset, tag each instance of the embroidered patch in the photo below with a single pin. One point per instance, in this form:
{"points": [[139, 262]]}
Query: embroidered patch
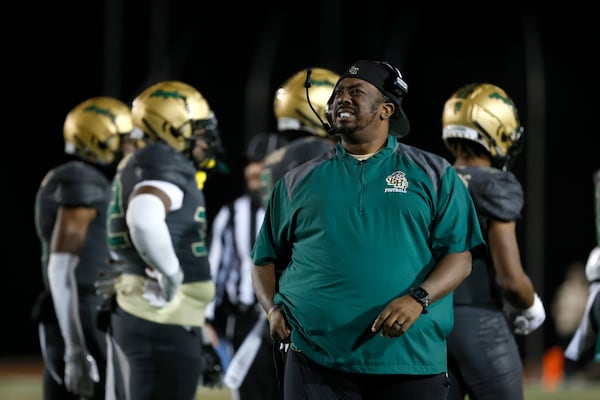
{"points": [[398, 182]]}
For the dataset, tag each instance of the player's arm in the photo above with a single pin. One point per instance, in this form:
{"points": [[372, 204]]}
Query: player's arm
{"points": [[68, 236], [504, 251], [525, 309], [146, 213]]}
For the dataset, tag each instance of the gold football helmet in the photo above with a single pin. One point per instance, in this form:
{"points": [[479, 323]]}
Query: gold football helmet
{"points": [[93, 129], [483, 113], [171, 111], [291, 106]]}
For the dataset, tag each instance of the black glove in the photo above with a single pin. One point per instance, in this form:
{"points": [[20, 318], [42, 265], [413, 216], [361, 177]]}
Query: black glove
{"points": [[211, 371]]}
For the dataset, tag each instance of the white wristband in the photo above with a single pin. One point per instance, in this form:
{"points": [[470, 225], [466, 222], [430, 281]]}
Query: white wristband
{"points": [[150, 234], [531, 318]]}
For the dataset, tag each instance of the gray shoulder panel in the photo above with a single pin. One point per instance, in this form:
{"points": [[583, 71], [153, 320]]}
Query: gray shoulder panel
{"points": [[433, 165], [294, 176]]}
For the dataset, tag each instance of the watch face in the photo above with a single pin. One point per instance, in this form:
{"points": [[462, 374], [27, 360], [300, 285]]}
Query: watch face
{"points": [[421, 293]]}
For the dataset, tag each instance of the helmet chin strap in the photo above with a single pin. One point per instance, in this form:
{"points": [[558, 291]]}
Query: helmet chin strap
{"points": [[515, 149], [499, 161]]}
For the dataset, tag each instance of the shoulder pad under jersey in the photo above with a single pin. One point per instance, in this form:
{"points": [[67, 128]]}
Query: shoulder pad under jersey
{"points": [[158, 161], [80, 185], [497, 194], [296, 153]]}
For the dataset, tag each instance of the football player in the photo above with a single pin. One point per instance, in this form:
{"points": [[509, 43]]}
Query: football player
{"points": [[70, 211], [585, 344], [157, 230], [481, 128]]}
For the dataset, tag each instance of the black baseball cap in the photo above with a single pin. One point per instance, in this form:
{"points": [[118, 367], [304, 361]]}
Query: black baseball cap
{"points": [[388, 80]]}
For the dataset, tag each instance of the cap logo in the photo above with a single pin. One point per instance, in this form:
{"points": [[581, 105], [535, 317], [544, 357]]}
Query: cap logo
{"points": [[353, 70]]}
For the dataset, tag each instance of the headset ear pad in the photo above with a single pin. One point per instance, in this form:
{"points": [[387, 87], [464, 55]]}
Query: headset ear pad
{"points": [[394, 82]]}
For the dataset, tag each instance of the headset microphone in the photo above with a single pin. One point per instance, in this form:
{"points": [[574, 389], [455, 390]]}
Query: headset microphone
{"points": [[307, 85]]}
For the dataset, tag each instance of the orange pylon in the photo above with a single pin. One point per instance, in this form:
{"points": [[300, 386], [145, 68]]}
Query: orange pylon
{"points": [[553, 368]]}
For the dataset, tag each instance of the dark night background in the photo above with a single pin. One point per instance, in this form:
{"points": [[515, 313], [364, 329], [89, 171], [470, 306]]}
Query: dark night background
{"points": [[546, 59]]}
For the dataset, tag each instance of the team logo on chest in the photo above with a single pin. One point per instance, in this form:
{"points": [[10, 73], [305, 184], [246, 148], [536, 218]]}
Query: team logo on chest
{"points": [[397, 181]]}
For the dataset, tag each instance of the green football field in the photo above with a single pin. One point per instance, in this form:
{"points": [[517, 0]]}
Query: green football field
{"points": [[21, 380]]}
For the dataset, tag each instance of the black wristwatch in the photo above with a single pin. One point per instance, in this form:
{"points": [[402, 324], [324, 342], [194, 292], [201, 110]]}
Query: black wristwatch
{"points": [[420, 295]]}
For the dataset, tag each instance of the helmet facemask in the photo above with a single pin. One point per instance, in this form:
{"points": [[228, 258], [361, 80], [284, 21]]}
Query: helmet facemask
{"points": [[206, 131]]}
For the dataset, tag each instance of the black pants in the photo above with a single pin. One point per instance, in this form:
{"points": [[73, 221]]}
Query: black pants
{"points": [[54, 346], [483, 356], [306, 380], [162, 361]]}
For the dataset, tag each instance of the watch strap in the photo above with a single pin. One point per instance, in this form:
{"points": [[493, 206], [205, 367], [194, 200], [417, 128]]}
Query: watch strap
{"points": [[421, 296]]}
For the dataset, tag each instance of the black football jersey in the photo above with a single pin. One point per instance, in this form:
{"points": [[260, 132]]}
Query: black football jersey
{"points": [[497, 195], [187, 225], [75, 184], [285, 158]]}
